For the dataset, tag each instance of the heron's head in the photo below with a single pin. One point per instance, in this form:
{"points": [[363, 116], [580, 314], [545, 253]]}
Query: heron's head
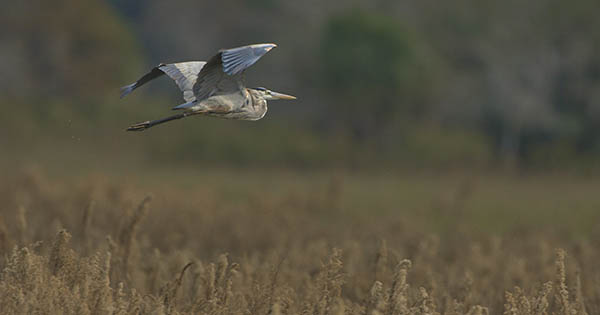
{"points": [[271, 95]]}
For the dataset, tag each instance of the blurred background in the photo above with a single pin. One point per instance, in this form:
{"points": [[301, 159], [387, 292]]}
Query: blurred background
{"points": [[399, 102], [399, 84]]}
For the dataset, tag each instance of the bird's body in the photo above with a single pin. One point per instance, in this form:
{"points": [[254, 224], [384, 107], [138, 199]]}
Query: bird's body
{"points": [[214, 88], [244, 105]]}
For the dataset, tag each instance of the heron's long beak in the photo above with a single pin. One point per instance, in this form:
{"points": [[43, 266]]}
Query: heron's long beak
{"points": [[281, 96]]}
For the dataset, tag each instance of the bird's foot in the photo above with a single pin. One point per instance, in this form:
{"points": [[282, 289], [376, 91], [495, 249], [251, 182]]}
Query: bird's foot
{"points": [[139, 126]]}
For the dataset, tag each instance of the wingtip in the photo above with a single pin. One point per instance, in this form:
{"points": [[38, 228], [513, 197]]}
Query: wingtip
{"points": [[127, 89]]}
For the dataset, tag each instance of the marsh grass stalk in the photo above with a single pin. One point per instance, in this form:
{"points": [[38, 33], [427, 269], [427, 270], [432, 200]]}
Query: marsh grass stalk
{"points": [[128, 233], [86, 222]]}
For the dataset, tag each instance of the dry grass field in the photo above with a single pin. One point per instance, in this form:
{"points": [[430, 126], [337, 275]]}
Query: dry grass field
{"points": [[282, 242]]}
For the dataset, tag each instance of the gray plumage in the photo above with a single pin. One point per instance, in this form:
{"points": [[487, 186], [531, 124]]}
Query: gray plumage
{"points": [[183, 73], [214, 88]]}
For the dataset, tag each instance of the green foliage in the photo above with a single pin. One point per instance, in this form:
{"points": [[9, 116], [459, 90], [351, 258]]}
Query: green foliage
{"points": [[68, 50], [362, 51], [368, 60]]}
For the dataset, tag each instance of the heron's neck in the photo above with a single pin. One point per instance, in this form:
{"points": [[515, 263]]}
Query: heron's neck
{"points": [[258, 103], [257, 99]]}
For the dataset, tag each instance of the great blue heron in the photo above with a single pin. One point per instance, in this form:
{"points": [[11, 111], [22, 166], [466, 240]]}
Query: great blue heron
{"points": [[214, 88]]}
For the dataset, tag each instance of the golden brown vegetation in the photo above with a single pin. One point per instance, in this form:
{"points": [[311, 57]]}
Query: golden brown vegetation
{"points": [[101, 248]]}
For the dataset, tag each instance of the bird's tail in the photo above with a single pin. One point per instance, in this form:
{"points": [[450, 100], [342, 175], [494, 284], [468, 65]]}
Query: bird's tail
{"points": [[150, 123]]}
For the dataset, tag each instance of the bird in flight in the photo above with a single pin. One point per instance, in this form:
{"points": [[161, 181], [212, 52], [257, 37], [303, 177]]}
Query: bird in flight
{"points": [[214, 88]]}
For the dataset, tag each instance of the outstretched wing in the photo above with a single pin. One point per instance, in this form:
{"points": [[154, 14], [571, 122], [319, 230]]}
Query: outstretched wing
{"points": [[223, 73], [183, 73]]}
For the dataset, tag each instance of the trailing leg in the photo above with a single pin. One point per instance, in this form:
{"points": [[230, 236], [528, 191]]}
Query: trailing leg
{"points": [[150, 123]]}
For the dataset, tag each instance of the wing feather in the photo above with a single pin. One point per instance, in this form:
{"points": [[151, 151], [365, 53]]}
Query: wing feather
{"points": [[153, 74], [183, 73], [223, 73]]}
